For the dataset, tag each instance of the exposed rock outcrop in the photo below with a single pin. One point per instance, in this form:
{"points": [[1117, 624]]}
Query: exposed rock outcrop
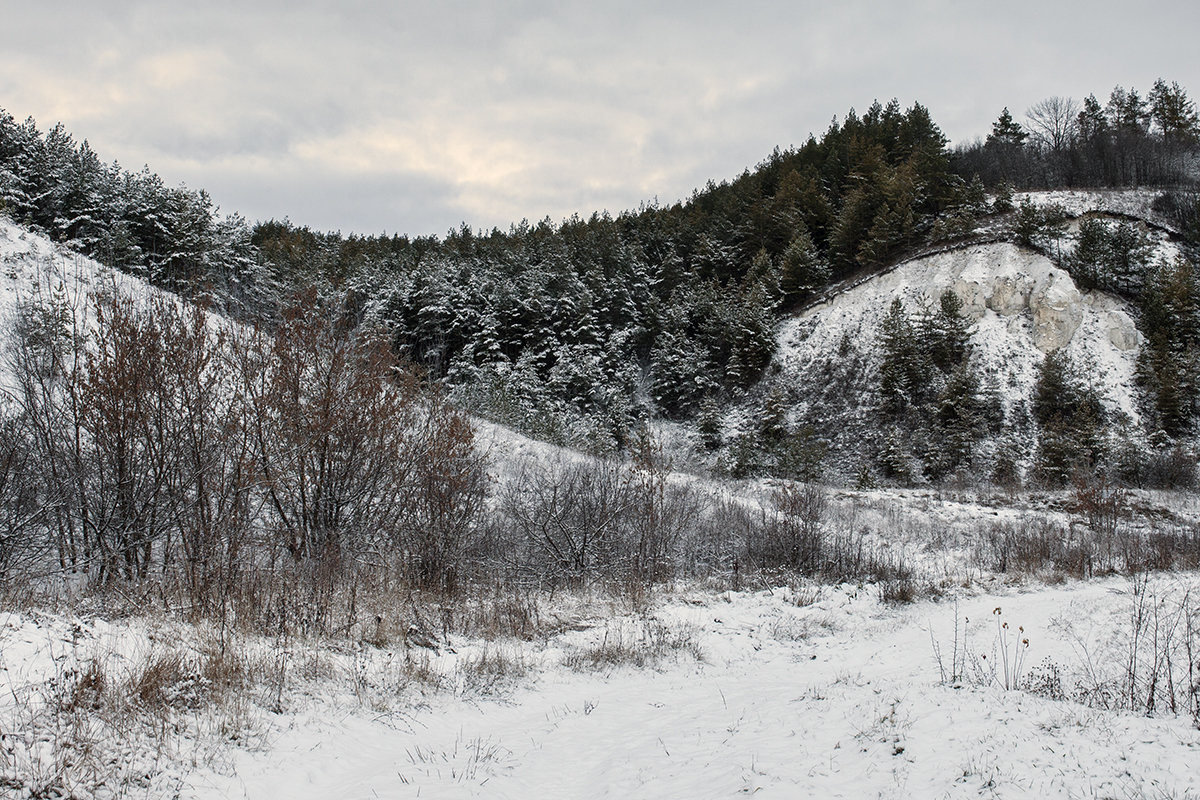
{"points": [[1020, 304], [1057, 309]]}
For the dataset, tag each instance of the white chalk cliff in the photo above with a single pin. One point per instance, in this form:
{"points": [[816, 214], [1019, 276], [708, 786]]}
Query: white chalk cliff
{"points": [[1021, 307]]}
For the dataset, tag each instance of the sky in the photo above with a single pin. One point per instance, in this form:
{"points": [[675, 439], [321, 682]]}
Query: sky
{"points": [[415, 117]]}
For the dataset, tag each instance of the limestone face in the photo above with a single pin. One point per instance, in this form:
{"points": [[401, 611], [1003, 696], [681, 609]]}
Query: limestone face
{"points": [[1010, 294], [1056, 306]]}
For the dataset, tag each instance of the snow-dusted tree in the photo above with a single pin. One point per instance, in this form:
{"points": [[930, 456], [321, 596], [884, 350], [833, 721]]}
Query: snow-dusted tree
{"points": [[802, 268], [1006, 132], [944, 333], [1069, 416], [1109, 256], [902, 369]]}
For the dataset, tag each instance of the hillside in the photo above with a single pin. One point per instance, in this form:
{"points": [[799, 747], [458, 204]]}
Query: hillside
{"points": [[888, 648], [1017, 307], [857, 474]]}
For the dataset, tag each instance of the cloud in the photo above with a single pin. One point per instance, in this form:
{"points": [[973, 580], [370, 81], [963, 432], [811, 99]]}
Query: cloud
{"points": [[380, 114]]}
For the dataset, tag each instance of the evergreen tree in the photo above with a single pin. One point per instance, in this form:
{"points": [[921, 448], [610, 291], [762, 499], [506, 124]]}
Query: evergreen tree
{"points": [[1069, 416], [1169, 364], [960, 416], [895, 217], [945, 333], [1173, 113], [1006, 132], [802, 270], [902, 369]]}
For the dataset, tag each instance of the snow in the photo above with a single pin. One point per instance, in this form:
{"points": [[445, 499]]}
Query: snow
{"points": [[795, 697], [1128, 202], [1021, 306], [799, 691]]}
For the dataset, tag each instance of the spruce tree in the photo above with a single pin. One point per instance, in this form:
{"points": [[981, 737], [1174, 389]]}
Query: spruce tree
{"points": [[900, 365]]}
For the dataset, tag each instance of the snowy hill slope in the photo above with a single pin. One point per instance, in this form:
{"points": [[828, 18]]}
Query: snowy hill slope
{"points": [[30, 262], [779, 691], [1020, 305], [32, 267]]}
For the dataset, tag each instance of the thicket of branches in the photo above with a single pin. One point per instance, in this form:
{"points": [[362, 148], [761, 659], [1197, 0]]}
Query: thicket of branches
{"points": [[148, 438]]}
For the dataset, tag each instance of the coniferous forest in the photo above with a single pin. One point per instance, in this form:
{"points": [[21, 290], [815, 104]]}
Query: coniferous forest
{"points": [[579, 331]]}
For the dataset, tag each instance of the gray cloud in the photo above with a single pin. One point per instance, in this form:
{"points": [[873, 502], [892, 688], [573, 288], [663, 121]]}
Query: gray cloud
{"points": [[415, 116]]}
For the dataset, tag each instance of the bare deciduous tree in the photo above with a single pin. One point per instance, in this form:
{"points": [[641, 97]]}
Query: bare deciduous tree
{"points": [[568, 515], [443, 499], [1053, 122], [22, 515], [331, 428]]}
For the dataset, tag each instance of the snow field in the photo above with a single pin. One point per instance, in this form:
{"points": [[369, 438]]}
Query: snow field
{"points": [[838, 697]]}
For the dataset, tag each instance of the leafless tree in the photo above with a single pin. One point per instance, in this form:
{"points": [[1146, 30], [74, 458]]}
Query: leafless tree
{"points": [[1053, 122], [659, 515], [22, 514], [211, 503], [567, 516], [443, 499], [330, 427]]}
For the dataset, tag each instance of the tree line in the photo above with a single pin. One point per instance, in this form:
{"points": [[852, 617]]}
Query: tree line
{"points": [[1129, 140], [173, 236]]}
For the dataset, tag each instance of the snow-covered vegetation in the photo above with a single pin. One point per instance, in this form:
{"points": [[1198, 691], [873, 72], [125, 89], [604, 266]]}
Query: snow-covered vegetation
{"points": [[870, 473]]}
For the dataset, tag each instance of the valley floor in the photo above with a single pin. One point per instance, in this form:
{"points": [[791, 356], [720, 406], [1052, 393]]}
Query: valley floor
{"points": [[806, 693]]}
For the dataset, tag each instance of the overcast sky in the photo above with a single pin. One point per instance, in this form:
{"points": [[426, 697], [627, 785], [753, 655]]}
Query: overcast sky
{"points": [[412, 117]]}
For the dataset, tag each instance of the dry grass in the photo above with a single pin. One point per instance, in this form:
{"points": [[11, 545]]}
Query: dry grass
{"points": [[642, 643]]}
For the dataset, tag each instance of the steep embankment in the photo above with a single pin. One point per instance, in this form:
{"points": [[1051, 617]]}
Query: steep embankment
{"points": [[1017, 304], [1020, 307]]}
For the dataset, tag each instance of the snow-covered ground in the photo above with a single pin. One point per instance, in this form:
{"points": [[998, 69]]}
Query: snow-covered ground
{"points": [[838, 697], [787, 692], [1128, 202]]}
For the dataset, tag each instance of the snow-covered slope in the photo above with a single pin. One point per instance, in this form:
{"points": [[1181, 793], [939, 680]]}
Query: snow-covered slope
{"points": [[1130, 202], [1020, 305], [30, 262], [780, 691]]}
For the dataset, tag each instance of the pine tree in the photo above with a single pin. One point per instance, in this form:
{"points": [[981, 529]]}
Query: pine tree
{"points": [[895, 218], [1069, 415], [901, 369], [1173, 113], [944, 334], [1006, 133], [1088, 260], [960, 416], [1127, 111]]}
